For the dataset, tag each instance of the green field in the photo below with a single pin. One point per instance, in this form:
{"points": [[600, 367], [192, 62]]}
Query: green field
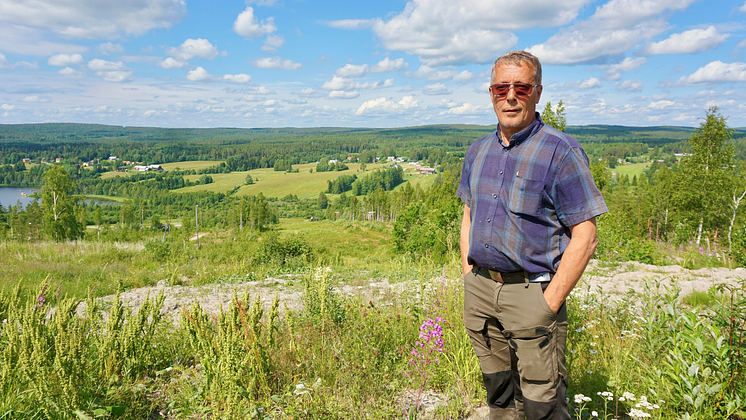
{"points": [[630, 169], [278, 184]]}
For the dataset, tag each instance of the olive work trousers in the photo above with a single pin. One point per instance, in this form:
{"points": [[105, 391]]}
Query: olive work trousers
{"points": [[520, 344]]}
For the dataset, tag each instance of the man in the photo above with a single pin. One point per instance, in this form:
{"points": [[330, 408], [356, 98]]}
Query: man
{"points": [[528, 231]]}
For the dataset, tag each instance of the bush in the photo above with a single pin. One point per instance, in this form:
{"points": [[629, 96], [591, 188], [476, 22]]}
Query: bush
{"points": [[282, 251]]}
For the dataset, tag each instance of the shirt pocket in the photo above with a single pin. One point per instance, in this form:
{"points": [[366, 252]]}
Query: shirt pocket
{"points": [[526, 196]]}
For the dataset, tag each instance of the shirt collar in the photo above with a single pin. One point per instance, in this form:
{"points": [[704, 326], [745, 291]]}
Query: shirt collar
{"points": [[522, 135]]}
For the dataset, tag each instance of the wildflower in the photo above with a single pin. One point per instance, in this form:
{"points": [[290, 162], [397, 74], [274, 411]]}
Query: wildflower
{"points": [[594, 414], [580, 399], [638, 414]]}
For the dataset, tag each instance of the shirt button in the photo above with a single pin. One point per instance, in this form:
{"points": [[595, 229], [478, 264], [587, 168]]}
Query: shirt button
{"points": [[489, 220], [501, 172], [486, 246], [494, 195]]}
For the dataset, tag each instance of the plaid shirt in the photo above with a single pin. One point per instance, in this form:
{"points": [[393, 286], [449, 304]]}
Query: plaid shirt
{"points": [[524, 196]]}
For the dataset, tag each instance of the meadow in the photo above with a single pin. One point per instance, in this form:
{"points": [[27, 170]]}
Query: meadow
{"points": [[336, 355]]}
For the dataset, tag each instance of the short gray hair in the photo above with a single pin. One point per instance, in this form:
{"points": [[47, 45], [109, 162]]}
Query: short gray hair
{"points": [[519, 58]]}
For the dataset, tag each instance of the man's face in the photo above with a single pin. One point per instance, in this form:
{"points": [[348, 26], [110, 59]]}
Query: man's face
{"points": [[515, 112]]}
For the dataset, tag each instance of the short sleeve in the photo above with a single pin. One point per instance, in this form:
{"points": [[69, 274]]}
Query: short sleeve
{"points": [[575, 194], [464, 188]]}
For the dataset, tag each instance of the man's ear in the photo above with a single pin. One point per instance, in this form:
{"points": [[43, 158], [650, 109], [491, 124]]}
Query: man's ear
{"points": [[538, 92]]}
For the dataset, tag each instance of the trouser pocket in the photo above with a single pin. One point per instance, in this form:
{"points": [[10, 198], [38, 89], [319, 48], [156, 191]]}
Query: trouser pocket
{"points": [[536, 350]]}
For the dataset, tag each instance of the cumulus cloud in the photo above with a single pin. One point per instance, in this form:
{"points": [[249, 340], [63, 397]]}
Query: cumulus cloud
{"points": [[433, 74], [716, 72], [614, 71], [37, 99], [341, 94], [93, 20], [383, 105], [198, 75], [4, 63], [342, 83], [307, 92], [110, 71], [109, 48], [688, 42], [461, 31], [661, 104], [465, 109], [237, 78], [194, 48], [629, 86], [743, 8], [172, 63], [614, 28], [584, 84], [387, 65], [351, 70], [65, 60], [276, 63], [273, 42], [71, 73], [350, 23], [436, 89], [248, 25]]}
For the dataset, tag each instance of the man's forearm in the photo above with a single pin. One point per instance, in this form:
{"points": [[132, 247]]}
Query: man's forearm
{"points": [[574, 260]]}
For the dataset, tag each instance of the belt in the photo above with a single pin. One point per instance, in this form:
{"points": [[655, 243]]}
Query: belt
{"points": [[519, 277]]}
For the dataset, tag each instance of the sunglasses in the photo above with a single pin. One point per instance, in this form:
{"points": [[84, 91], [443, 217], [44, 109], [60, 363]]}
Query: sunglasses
{"points": [[522, 90]]}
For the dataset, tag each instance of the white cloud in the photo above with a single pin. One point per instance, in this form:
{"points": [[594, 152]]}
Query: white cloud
{"points": [[93, 19], [388, 64], [273, 42], [341, 94], [4, 63], [351, 70], [237, 78], [661, 104], [149, 113], [65, 60], [194, 48], [248, 25], [110, 71], [716, 72], [342, 83], [350, 23], [383, 105], [432, 74], [71, 73], [198, 75], [109, 48], [6, 107], [614, 71], [436, 89], [307, 92], [276, 63], [629, 86], [616, 27], [31, 41], [688, 42], [459, 31], [465, 109], [172, 63], [37, 99], [743, 8], [583, 84]]}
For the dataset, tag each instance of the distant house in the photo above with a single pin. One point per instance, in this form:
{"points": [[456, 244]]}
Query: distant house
{"points": [[112, 158], [390, 159], [122, 169], [58, 160], [145, 168], [333, 161], [426, 171], [26, 160]]}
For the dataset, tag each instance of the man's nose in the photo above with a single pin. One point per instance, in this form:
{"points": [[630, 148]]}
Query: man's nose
{"points": [[511, 94]]}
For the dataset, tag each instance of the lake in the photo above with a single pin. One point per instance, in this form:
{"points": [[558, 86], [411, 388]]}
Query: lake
{"points": [[10, 196]]}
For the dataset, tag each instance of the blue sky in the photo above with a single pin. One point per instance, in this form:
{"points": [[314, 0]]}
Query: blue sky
{"points": [[384, 63]]}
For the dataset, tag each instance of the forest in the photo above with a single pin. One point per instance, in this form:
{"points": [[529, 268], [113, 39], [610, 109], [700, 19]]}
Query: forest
{"points": [[321, 209]]}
